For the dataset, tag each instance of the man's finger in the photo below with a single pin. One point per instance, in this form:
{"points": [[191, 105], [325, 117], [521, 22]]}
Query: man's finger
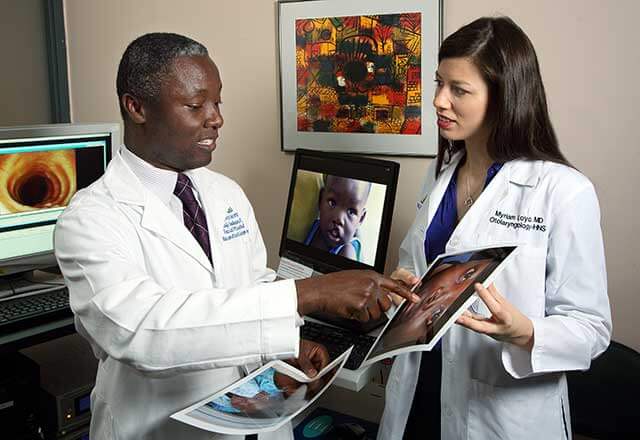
{"points": [[320, 357], [399, 289], [374, 311], [306, 366], [361, 315], [384, 302]]}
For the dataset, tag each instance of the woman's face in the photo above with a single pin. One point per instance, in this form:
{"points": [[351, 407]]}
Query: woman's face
{"points": [[461, 100]]}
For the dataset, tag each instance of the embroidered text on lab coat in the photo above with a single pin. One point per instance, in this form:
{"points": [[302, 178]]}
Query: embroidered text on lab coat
{"points": [[233, 226], [517, 221]]}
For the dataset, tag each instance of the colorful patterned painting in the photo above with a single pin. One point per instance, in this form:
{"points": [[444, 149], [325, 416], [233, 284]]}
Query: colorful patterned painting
{"points": [[359, 74]]}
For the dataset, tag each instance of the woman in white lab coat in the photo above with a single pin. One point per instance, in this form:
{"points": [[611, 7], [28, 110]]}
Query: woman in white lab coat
{"points": [[500, 178]]}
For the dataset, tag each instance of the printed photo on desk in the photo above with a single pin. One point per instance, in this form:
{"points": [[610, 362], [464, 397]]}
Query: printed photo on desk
{"points": [[355, 76], [263, 401], [446, 291]]}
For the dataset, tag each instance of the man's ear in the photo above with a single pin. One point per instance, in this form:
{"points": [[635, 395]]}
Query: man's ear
{"points": [[134, 108]]}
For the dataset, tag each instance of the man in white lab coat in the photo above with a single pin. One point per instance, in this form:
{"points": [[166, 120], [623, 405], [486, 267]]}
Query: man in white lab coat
{"points": [[173, 313]]}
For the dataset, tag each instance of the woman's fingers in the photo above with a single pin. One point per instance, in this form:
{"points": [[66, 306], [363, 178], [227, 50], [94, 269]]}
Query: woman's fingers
{"points": [[481, 325], [473, 315], [397, 299], [491, 301], [403, 275]]}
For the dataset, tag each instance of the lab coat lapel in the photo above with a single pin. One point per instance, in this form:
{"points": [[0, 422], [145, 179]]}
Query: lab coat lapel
{"points": [[156, 217], [441, 186], [517, 173]]}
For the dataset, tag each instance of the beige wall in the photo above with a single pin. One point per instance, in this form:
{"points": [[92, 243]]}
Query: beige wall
{"points": [[588, 54], [24, 77]]}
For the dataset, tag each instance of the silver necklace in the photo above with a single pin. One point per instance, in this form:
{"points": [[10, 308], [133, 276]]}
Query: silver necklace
{"points": [[469, 200]]}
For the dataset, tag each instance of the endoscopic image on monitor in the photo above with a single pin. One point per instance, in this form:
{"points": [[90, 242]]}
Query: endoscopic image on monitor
{"points": [[339, 215], [36, 180]]}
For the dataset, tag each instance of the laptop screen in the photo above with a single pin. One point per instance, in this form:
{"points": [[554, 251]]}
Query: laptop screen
{"points": [[339, 211]]}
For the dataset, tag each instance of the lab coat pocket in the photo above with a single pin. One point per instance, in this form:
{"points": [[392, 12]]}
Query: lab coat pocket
{"points": [[523, 280], [525, 410]]}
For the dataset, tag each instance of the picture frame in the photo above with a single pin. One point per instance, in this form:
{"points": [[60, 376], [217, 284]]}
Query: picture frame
{"points": [[357, 76]]}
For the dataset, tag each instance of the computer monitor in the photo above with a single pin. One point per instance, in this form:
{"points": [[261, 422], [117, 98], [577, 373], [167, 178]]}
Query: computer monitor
{"points": [[41, 168], [339, 211]]}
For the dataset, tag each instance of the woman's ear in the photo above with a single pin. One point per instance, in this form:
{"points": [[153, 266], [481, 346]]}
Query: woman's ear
{"points": [[134, 108]]}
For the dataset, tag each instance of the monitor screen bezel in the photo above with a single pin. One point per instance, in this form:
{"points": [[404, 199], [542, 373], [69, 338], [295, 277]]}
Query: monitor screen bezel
{"points": [[380, 171]]}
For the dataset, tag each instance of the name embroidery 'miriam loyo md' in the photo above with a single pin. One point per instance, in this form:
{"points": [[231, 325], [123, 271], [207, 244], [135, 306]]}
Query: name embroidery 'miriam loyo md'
{"points": [[518, 221]]}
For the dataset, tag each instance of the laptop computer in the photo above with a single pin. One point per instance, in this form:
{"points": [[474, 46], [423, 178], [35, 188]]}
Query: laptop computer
{"points": [[338, 217]]}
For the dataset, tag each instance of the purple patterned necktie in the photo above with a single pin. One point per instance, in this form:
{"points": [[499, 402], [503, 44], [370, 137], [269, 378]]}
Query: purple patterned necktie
{"points": [[194, 218]]}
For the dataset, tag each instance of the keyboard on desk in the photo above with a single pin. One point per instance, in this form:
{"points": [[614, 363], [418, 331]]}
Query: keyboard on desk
{"points": [[34, 309], [337, 341]]}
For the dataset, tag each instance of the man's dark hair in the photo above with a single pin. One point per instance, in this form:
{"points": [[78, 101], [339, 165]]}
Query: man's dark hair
{"points": [[517, 111], [146, 62]]}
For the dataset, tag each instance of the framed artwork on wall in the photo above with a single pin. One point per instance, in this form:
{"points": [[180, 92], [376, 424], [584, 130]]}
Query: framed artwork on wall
{"points": [[357, 76]]}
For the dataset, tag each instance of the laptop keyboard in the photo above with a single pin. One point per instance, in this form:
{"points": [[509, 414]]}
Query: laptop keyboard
{"points": [[337, 341]]}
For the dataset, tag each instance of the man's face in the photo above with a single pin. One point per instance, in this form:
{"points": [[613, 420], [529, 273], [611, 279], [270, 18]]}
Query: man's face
{"points": [[342, 209], [181, 128]]}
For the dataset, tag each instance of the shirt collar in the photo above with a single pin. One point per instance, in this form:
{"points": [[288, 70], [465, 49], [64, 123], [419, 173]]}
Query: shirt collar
{"points": [[160, 182]]}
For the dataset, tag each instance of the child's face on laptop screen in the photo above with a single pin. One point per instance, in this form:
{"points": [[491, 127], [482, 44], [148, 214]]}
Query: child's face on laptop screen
{"points": [[342, 209], [339, 215]]}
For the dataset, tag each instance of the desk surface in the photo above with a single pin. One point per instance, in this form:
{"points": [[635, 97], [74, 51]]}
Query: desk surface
{"points": [[36, 335]]}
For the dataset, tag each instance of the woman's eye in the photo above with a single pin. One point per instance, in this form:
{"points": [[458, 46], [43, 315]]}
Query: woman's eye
{"points": [[467, 275], [331, 203], [438, 82], [352, 212], [194, 106], [458, 91]]}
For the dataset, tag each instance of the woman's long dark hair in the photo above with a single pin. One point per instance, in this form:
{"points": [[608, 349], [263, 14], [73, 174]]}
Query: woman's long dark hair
{"points": [[520, 127]]}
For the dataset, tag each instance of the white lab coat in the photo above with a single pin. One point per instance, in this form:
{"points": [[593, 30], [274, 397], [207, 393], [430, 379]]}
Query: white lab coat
{"points": [[494, 390], [168, 329]]}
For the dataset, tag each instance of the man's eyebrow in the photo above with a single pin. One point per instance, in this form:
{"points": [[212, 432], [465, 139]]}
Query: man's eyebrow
{"points": [[203, 90]]}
